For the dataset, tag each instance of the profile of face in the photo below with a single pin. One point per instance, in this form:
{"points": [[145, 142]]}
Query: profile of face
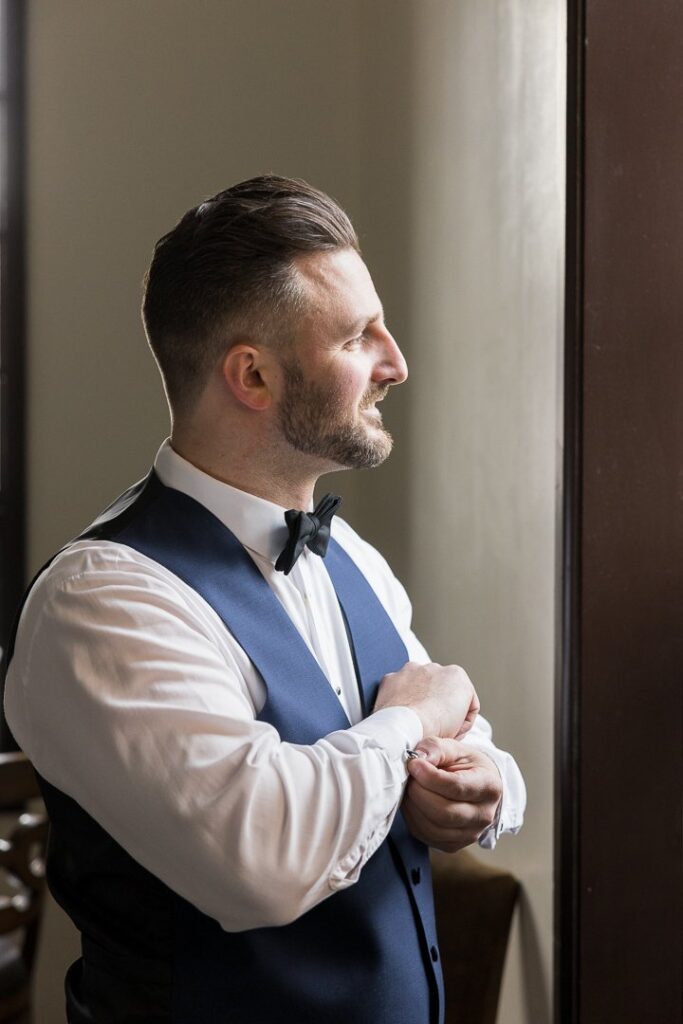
{"points": [[341, 362]]}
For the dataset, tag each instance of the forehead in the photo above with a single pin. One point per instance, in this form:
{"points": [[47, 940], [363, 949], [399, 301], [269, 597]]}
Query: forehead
{"points": [[337, 286]]}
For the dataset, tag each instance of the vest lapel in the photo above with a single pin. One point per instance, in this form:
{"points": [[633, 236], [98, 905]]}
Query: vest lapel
{"points": [[376, 644], [177, 531]]}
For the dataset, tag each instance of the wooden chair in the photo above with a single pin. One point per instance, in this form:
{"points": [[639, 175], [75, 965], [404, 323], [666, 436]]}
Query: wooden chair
{"points": [[22, 863], [474, 906]]}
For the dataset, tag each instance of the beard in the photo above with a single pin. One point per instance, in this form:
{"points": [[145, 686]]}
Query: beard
{"points": [[314, 420]]}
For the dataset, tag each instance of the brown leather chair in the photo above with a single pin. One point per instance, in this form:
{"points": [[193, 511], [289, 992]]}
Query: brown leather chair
{"points": [[474, 906], [22, 861]]}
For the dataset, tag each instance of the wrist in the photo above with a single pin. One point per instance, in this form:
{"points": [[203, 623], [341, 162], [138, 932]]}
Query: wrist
{"points": [[429, 725], [395, 727]]}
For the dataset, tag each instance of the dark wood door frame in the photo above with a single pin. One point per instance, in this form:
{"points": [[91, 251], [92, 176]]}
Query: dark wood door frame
{"points": [[12, 314], [619, 897]]}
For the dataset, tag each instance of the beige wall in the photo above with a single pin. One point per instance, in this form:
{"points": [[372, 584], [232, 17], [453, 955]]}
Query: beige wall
{"points": [[486, 404], [437, 125]]}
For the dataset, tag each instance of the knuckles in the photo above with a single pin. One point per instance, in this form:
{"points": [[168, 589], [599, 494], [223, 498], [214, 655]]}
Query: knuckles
{"points": [[492, 791]]}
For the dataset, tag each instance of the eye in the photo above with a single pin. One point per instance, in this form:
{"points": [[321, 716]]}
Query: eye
{"points": [[354, 342]]}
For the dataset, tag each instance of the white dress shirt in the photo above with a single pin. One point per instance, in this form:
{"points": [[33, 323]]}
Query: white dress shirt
{"points": [[128, 693]]}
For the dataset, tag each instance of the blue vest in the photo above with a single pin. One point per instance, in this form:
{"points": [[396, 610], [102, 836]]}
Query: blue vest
{"points": [[367, 954]]}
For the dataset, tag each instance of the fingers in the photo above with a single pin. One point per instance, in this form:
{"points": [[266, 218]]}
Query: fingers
{"points": [[450, 814], [435, 833], [470, 717], [424, 831], [445, 815], [463, 782], [441, 751], [453, 794]]}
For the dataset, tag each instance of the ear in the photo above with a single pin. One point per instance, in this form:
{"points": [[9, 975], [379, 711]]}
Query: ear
{"points": [[245, 371]]}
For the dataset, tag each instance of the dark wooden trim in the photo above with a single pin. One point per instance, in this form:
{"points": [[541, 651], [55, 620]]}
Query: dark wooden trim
{"points": [[12, 321], [619, 924], [567, 847]]}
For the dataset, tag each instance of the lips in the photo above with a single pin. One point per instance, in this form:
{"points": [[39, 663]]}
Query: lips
{"points": [[373, 403]]}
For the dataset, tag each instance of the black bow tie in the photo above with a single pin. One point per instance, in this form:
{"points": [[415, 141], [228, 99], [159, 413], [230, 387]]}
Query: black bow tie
{"points": [[308, 529]]}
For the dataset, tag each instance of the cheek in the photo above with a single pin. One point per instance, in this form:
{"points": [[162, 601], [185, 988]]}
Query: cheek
{"points": [[357, 379], [346, 383]]}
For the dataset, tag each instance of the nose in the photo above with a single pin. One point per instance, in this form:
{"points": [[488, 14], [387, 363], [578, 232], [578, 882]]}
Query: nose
{"points": [[391, 367]]}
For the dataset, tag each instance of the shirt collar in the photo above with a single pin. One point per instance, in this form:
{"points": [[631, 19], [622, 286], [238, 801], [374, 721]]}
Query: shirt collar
{"points": [[258, 524]]}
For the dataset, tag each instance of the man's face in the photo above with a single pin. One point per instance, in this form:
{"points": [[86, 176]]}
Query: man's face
{"points": [[342, 361]]}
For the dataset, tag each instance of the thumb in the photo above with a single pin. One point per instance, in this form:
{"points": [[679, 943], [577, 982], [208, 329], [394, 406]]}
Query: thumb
{"points": [[430, 747], [442, 750]]}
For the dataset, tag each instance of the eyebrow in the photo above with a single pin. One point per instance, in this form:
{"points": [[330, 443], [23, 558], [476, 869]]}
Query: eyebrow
{"points": [[364, 322]]}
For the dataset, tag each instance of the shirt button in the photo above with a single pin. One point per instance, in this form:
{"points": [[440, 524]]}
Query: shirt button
{"points": [[337, 690], [434, 953], [415, 875]]}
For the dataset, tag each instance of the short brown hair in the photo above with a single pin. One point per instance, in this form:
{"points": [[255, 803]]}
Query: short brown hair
{"points": [[227, 265]]}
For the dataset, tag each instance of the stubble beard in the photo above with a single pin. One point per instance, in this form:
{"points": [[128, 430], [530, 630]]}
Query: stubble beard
{"points": [[313, 420]]}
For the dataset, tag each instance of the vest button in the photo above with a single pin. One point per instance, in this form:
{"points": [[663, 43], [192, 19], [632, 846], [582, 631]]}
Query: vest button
{"points": [[415, 875], [435, 953]]}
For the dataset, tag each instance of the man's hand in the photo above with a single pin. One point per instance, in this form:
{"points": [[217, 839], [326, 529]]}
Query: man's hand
{"points": [[441, 695], [452, 795]]}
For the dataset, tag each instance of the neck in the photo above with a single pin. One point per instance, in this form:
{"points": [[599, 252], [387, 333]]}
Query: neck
{"points": [[287, 485]]}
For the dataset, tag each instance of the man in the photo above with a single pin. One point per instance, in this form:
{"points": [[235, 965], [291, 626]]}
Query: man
{"points": [[221, 700]]}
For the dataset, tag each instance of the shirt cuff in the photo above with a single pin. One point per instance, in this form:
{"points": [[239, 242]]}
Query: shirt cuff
{"points": [[392, 731], [396, 729]]}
